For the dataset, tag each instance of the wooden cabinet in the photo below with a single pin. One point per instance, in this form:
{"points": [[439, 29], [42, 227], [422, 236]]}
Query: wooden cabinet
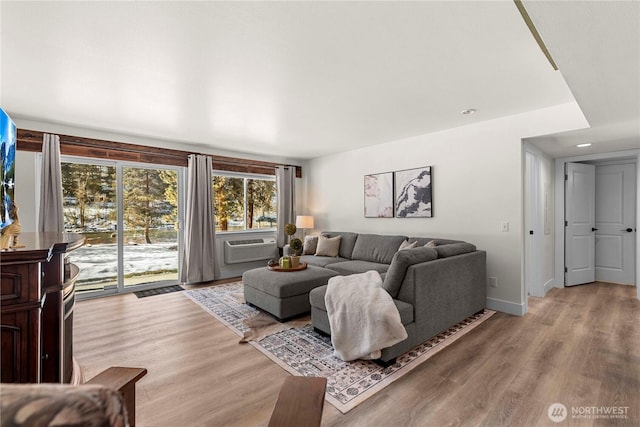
{"points": [[37, 299]]}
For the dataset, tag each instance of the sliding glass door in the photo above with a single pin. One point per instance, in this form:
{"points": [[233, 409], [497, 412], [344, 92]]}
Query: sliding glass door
{"points": [[150, 211], [90, 208], [130, 216]]}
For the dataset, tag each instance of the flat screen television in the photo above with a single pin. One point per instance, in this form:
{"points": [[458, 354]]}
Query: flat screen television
{"points": [[8, 151]]}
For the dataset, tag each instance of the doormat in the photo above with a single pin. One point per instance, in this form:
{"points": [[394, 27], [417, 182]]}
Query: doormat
{"points": [[159, 291], [302, 351]]}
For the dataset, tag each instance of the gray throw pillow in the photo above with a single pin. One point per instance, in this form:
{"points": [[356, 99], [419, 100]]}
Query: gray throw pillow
{"points": [[407, 245], [328, 246], [310, 245], [402, 260], [347, 242]]}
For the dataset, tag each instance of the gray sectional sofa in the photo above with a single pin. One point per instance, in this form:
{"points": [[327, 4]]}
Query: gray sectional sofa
{"points": [[433, 287]]}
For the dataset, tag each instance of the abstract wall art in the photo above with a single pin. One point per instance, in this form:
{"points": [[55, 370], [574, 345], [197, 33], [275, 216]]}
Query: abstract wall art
{"points": [[413, 193], [378, 195]]}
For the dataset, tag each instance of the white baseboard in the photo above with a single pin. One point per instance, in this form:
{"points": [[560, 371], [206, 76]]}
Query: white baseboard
{"points": [[549, 285], [506, 306]]}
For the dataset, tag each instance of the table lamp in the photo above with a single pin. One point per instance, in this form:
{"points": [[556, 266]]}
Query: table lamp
{"points": [[304, 222]]}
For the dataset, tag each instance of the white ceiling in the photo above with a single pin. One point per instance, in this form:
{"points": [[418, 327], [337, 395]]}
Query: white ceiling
{"points": [[306, 79], [596, 45]]}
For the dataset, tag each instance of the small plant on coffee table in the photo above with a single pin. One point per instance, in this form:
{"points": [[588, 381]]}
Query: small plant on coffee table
{"points": [[290, 230], [296, 246]]}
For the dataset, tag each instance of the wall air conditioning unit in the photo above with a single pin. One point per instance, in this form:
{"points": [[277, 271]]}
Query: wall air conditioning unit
{"points": [[237, 251]]}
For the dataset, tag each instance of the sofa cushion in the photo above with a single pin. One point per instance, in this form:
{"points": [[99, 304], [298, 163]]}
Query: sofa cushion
{"points": [[316, 298], [453, 249], [328, 246], [357, 266], [321, 261], [376, 248], [403, 260], [346, 243], [310, 245]]}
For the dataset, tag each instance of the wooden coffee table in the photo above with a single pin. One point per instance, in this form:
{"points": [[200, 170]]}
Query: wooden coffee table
{"points": [[301, 266]]}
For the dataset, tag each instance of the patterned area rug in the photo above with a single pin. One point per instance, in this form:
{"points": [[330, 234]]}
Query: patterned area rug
{"points": [[302, 351]]}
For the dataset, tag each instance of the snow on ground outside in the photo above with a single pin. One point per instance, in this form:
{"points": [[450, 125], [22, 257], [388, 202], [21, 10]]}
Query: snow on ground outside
{"points": [[101, 261]]}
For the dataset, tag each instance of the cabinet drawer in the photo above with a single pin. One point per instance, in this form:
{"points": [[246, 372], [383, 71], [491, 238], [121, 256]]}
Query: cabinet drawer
{"points": [[19, 283], [20, 356]]}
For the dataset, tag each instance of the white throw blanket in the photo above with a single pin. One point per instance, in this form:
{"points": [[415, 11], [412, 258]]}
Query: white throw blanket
{"points": [[362, 316]]}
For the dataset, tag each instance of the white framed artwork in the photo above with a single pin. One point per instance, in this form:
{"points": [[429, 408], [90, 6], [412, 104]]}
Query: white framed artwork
{"points": [[413, 193], [378, 195]]}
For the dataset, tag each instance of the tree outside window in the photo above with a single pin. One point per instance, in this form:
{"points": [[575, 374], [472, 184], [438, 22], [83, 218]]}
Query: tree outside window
{"points": [[89, 193], [145, 201], [243, 203]]}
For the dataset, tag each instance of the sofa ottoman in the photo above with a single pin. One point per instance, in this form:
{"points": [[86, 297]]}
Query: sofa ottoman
{"points": [[283, 294]]}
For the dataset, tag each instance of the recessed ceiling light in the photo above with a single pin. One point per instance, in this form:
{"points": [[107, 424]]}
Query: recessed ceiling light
{"points": [[468, 111], [588, 144]]}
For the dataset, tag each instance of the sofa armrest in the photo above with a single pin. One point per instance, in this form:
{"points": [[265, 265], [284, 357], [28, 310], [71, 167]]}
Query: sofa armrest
{"points": [[445, 291]]}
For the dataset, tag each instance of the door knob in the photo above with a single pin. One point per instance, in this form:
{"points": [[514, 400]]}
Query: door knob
{"points": [[628, 230], [594, 229]]}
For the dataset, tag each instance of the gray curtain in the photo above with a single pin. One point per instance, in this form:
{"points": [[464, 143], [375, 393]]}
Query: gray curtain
{"points": [[285, 186], [199, 231], [51, 216]]}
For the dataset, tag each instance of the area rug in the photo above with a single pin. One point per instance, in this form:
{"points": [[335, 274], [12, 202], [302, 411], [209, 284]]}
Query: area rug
{"points": [[159, 291], [301, 351]]}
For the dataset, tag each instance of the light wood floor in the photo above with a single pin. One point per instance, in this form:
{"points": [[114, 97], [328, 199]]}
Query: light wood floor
{"points": [[579, 346]]}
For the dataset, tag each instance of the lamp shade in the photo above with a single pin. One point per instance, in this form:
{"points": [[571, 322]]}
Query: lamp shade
{"points": [[304, 221]]}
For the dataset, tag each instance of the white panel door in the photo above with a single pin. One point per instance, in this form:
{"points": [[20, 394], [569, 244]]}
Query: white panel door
{"points": [[580, 224], [532, 249], [615, 221]]}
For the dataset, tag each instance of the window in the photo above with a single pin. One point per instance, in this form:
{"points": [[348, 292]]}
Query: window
{"points": [[244, 202]]}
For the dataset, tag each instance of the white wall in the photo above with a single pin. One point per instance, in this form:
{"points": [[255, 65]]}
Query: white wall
{"points": [[477, 184]]}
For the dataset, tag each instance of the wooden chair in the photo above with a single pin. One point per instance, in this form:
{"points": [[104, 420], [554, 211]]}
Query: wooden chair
{"points": [[124, 381], [108, 397]]}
